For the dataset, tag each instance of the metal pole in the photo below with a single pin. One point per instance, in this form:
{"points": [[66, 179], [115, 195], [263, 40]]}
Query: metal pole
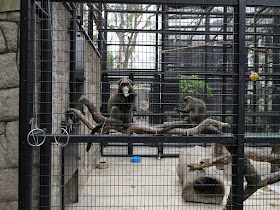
{"points": [[239, 104], [27, 25]]}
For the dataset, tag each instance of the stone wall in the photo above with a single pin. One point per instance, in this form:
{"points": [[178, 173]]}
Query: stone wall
{"points": [[80, 161], [9, 103]]}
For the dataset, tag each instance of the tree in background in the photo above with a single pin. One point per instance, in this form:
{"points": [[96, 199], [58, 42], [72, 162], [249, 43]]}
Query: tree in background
{"points": [[132, 21]]}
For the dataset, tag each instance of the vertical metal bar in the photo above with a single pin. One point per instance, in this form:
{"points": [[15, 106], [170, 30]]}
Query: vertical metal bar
{"points": [[46, 108], [73, 35], [276, 68], [90, 24], [255, 68], [156, 84], [163, 60], [276, 84], [81, 14], [206, 57], [105, 82], [239, 104], [224, 78], [27, 25], [267, 43]]}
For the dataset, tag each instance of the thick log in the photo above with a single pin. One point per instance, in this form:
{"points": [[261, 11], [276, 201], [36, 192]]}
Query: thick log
{"points": [[205, 185]]}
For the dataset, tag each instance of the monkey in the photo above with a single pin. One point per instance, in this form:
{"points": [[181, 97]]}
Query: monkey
{"points": [[195, 112], [120, 104]]}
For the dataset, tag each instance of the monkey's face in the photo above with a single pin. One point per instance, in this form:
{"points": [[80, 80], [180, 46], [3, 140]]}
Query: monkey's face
{"points": [[124, 86], [187, 99]]}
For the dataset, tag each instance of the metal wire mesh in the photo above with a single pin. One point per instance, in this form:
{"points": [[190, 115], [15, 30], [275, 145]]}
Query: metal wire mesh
{"points": [[78, 52]]}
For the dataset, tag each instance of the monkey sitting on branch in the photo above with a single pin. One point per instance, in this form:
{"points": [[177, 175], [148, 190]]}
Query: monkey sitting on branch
{"points": [[195, 110], [194, 113], [120, 105]]}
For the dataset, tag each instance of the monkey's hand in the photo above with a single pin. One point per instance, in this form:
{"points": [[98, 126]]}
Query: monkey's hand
{"points": [[180, 110], [177, 110]]}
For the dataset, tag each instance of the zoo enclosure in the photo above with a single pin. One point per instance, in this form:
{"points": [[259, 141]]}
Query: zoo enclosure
{"points": [[68, 51]]}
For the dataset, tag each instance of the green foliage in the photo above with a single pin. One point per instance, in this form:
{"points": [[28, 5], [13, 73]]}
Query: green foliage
{"points": [[192, 84], [110, 60], [264, 95]]}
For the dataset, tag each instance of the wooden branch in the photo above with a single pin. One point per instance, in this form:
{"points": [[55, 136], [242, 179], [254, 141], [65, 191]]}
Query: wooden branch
{"points": [[81, 117], [178, 124], [224, 159], [212, 43], [271, 178], [96, 115], [99, 14], [257, 49], [191, 47], [202, 126], [270, 158], [133, 128], [254, 181]]}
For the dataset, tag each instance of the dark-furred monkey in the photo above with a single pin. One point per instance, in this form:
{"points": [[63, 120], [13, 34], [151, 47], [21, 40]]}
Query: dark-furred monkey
{"points": [[121, 104], [195, 110]]}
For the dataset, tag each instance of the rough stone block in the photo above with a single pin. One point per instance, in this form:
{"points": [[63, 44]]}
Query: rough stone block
{"points": [[3, 16], [3, 152], [14, 16], [9, 74], [9, 184], [10, 30], [10, 205], [9, 104], [2, 42], [12, 133], [9, 5], [2, 127]]}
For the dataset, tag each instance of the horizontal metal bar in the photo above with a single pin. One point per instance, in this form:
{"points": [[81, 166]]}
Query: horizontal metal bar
{"points": [[142, 155], [183, 2], [169, 32], [188, 2], [270, 3], [155, 139], [257, 140], [146, 139]]}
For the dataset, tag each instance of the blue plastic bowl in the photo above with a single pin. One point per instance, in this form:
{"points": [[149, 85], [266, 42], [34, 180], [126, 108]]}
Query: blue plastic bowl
{"points": [[136, 159]]}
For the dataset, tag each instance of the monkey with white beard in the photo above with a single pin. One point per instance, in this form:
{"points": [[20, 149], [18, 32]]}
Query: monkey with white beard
{"points": [[121, 104]]}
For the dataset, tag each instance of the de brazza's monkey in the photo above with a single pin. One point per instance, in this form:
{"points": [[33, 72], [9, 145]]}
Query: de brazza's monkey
{"points": [[120, 104], [194, 111]]}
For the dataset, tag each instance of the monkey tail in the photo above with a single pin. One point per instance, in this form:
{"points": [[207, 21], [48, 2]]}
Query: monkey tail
{"points": [[92, 133]]}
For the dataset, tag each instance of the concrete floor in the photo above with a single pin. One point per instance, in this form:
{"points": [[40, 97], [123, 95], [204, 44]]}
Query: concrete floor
{"points": [[152, 184]]}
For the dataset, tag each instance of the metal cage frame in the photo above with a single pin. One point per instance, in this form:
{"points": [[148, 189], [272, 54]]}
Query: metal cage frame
{"points": [[238, 140]]}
